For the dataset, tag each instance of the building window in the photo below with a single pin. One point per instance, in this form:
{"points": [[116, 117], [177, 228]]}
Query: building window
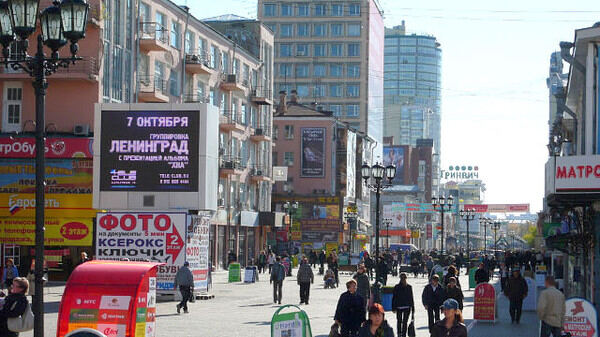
{"points": [[352, 90], [319, 70], [302, 90], [353, 49], [337, 29], [285, 70], [303, 10], [354, 70], [288, 159], [275, 133], [354, 29], [336, 109], [269, 9], [225, 62], [320, 30], [285, 50], [337, 10], [272, 27], [175, 35], [214, 51], [286, 10], [336, 49], [289, 132], [335, 70], [352, 110], [301, 70], [161, 20], [320, 10], [302, 49], [335, 90], [303, 29], [285, 31], [189, 42], [319, 50], [274, 157], [319, 90], [354, 10], [11, 107]]}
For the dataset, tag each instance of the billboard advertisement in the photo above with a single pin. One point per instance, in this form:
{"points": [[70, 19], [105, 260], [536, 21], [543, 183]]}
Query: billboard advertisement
{"points": [[58, 232], [316, 214], [56, 147], [313, 152], [396, 215], [498, 208], [197, 246], [394, 155], [62, 176], [151, 151], [153, 237]]}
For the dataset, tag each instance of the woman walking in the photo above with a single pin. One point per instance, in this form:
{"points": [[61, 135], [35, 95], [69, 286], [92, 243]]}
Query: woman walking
{"points": [[403, 304], [376, 326], [10, 273], [453, 324], [15, 305]]}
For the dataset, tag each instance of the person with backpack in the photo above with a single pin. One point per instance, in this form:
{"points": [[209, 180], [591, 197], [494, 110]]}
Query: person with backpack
{"points": [[277, 277], [15, 305], [305, 278]]}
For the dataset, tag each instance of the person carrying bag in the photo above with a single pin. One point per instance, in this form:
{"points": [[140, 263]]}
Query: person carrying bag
{"points": [[16, 315]]}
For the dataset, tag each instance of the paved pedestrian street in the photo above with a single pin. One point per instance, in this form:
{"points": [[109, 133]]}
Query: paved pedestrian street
{"points": [[240, 309]]}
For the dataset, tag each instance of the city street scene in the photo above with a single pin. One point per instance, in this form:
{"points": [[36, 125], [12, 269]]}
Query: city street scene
{"points": [[299, 168]]}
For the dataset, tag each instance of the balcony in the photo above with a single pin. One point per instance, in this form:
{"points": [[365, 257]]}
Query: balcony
{"points": [[153, 37], [261, 134], [153, 89], [229, 121], [261, 96], [83, 70], [198, 63], [233, 82], [230, 165], [259, 174], [195, 98]]}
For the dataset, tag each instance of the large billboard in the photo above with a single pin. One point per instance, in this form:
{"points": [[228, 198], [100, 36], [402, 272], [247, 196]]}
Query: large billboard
{"points": [[394, 155], [62, 176], [151, 151], [313, 152]]}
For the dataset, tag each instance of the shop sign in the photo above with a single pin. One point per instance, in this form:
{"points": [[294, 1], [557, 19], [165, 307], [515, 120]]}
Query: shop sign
{"points": [[57, 205], [460, 172], [581, 319], [56, 147], [154, 237], [59, 232], [484, 303], [62, 176], [498, 208], [577, 174], [429, 231]]}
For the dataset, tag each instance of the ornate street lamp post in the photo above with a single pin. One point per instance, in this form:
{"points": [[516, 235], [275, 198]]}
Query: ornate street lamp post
{"points": [[442, 205], [378, 174], [468, 215], [60, 23], [496, 226]]}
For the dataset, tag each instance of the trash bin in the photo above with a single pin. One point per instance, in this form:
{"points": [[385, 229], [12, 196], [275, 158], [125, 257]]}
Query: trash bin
{"points": [[386, 297], [85, 332]]}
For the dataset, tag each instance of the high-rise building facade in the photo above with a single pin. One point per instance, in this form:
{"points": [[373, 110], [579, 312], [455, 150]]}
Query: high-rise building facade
{"points": [[331, 53]]}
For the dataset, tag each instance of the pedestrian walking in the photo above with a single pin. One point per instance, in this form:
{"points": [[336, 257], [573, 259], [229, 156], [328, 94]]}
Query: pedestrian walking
{"points": [[322, 258], [185, 280], [376, 326], [503, 276], [403, 304], [454, 291], [277, 277], [453, 323], [14, 305], [270, 261], [305, 277], [516, 291], [551, 309], [481, 275], [10, 273], [382, 269], [350, 311], [332, 264], [433, 297], [262, 261], [452, 272], [362, 283]]}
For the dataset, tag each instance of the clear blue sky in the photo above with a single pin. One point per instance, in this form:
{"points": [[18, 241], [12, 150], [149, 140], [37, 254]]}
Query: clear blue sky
{"points": [[495, 62]]}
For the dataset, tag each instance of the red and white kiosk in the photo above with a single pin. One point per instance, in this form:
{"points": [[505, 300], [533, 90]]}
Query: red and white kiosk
{"points": [[116, 298]]}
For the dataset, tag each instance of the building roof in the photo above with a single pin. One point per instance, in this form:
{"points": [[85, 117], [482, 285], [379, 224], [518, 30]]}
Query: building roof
{"points": [[298, 110], [228, 17]]}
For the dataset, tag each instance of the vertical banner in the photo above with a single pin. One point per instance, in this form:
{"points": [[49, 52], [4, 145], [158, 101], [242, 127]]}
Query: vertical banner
{"points": [[313, 152], [197, 250], [394, 155], [350, 166], [429, 231]]}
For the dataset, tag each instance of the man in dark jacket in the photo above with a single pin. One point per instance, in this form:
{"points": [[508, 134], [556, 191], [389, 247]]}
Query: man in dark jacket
{"points": [[350, 312], [516, 291], [362, 282], [185, 280], [403, 304], [481, 275], [305, 277], [453, 291], [382, 269], [322, 258], [277, 276], [433, 297]]}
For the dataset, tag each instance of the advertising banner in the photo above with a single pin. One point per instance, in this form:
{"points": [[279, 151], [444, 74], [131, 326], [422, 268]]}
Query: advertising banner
{"points": [[394, 155], [498, 208], [59, 232], [319, 236], [197, 247], [315, 214], [313, 152], [429, 231], [154, 237], [153, 151], [62, 176], [484, 303], [56, 147], [581, 319], [396, 215], [57, 205]]}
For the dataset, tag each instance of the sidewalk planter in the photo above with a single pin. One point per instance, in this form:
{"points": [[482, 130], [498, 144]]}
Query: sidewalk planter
{"points": [[387, 293]]}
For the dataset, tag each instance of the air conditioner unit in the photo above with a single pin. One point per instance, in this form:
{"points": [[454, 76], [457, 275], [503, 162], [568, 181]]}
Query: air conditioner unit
{"points": [[231, 78], [228, 165], [220, 202], [259, 172], [258, 132], [81, 130]]}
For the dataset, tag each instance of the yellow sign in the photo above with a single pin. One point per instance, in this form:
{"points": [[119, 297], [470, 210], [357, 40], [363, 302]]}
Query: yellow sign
{"points": [[415, 234], [331, 247], [22, 205], [296, 235], [59, 232], [351, 209]]}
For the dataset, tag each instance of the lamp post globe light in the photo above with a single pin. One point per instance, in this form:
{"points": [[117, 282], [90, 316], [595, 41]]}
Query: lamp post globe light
{"points": [[468, 215], [496, 226], [378, 174], [442, 205], [61, 22]]}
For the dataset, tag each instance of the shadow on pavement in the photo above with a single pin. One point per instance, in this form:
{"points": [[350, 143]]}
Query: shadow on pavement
{"points": [[255, 305], [51, 307], [168, 315], [258, 323]]}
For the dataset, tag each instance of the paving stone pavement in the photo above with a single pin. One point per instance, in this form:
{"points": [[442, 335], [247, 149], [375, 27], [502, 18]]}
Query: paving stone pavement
{"points": [[240, 309]]}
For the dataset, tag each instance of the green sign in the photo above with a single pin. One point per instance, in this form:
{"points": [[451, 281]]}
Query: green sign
{"points": [[290, 324], [235, 274], [343, 260], [551, 229], [472, 283]]}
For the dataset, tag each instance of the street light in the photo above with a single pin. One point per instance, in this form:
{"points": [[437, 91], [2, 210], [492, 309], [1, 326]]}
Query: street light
{"points": [[378, 173], [387, 222], [512, 235], [442, 205], [496, 226], [468, 215], [289, 207], [60, 22], [351, 219]]}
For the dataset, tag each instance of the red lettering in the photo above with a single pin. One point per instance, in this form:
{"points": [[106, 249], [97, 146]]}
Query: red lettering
{"points": [[580, 168], [145, 219], [561, 172], [572, 173], [132, 222], [597, 171], [588, 170], [166, 222]]}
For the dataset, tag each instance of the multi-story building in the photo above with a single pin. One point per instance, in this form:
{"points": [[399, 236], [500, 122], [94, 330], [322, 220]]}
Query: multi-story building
{"points": [[331, 53], [171, 58], [412, 90]]}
